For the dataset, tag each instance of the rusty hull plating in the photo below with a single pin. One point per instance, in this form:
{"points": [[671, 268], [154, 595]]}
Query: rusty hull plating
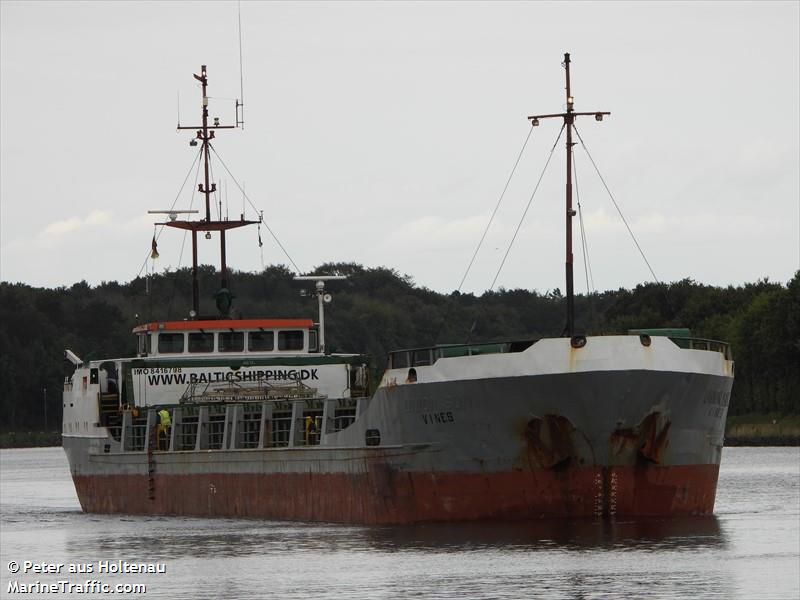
{"points": [[384, 496]]}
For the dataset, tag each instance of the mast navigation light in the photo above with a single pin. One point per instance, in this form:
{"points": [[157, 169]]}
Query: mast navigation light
{"points": [[322, 298], [208, 235], [535, 122]]}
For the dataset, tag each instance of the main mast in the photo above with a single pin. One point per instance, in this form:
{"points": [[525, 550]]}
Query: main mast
{"points": [[206, 133], [569, 120]]}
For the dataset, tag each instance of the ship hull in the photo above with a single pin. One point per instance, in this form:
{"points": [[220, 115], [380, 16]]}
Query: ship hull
{"points": [[606, 443], [412, 497]]}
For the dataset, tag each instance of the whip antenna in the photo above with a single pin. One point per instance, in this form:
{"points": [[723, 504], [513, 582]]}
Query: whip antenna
{"points": [[240, 102]]}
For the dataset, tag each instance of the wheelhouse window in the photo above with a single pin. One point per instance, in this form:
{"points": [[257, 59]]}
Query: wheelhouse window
{"points": [[260, 341], [170, 343], [230, 341], [290, 340], [201, 342], [313, 341], [144, 344]]}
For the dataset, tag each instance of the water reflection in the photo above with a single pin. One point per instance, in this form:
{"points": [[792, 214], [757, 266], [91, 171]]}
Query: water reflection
{"points": [[176, 537], [576, 534], [577, 559]]}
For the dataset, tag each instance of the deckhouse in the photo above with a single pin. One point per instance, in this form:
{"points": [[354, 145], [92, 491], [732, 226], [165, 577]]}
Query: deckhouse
{"points": [[204, 371], [227, 337]]}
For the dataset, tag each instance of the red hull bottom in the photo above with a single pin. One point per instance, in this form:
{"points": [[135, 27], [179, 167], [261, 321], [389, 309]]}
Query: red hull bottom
{"points": [[388, 497]]}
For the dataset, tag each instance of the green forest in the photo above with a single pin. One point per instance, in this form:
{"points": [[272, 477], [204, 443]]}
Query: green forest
{"points": [[377, 310]]}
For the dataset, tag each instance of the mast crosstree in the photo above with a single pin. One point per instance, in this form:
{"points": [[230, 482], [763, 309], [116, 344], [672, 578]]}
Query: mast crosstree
{"points": [[569, 119]]}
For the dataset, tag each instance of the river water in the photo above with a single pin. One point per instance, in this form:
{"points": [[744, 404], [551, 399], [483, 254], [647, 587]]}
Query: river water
{"points": [[749, 550]]}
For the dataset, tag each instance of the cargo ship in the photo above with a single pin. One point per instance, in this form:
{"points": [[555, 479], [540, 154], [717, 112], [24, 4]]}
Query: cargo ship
{"points": [[224, 416]]}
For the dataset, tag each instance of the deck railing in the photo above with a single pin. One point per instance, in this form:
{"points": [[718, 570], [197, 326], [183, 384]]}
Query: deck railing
{"points": [[692, 343], [419, 357]]}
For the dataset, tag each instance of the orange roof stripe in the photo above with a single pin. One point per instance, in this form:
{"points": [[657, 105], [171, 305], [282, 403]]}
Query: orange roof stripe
{"points": [[223, 324]]}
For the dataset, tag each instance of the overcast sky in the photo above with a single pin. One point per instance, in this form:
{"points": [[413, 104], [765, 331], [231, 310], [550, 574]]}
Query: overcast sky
{"points": [[383, 133]]}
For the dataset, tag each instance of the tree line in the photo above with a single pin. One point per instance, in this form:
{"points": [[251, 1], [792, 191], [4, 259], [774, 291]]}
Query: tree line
{"points": [[377, 310]]}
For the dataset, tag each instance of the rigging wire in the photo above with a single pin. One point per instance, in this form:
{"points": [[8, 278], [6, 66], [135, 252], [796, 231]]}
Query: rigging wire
{"points": [[610, 195], [216, 193], [587, 264], [486, 230], [494, 212], [158, 235], [524, 214], [183, 242], [268, 228], [191, 204]]}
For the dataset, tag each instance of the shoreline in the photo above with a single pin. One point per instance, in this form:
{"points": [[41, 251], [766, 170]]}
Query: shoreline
{"points": [[29, 439], [762, 430], [762, 441]]}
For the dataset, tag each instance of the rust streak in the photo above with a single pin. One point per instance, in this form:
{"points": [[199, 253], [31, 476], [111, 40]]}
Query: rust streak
{"points": [[647, 439], [549, 441]]}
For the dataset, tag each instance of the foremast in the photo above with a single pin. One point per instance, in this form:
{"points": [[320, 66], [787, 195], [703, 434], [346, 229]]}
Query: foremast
{"points": [[569, 120], [206, 133]]}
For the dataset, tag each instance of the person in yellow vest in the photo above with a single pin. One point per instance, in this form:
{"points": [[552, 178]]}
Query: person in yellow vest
{"points": [[162, 428], [312, 426]]}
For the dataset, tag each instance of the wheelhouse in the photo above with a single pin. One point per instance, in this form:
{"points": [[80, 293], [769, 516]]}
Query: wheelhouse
{"points": [[227, 337]]}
